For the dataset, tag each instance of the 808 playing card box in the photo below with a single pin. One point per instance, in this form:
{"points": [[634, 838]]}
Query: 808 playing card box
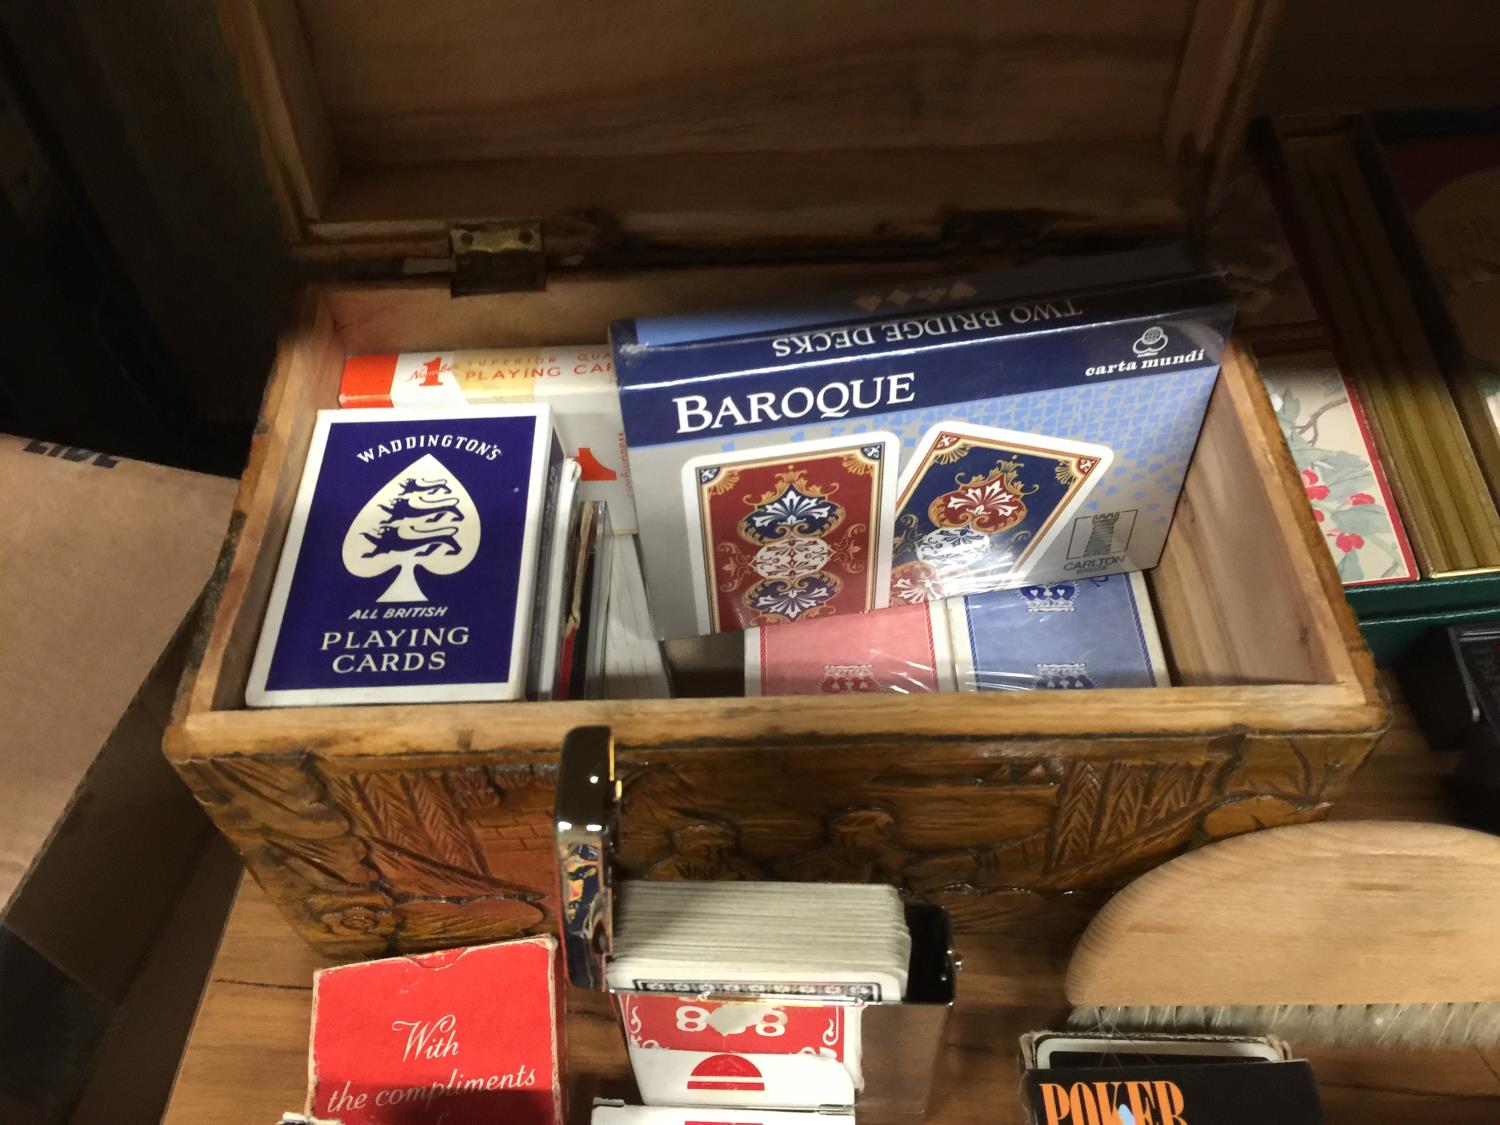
{"points": [[781, 996], [898, 446]]}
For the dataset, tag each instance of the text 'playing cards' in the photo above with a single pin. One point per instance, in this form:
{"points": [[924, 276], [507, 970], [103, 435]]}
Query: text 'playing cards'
{"points": [[410, 569]]}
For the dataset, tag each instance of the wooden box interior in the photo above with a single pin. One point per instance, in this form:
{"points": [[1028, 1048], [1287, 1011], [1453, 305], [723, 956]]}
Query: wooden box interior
{"points": [[676, 122], [1245, 594], [761, 151]]}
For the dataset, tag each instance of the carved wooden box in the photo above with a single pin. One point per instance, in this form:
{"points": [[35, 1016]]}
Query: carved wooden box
{"points": [[782, 153]]}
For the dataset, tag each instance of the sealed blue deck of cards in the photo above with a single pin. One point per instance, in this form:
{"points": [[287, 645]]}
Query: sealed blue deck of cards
{"points": [[1036, 438], [409, 571], [1090, 633]]}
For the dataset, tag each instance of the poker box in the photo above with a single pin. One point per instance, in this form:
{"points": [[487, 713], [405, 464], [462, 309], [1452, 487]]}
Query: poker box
{"points": [[878, 1057], [736, 159], [1248, 1093], [1016, 435]]}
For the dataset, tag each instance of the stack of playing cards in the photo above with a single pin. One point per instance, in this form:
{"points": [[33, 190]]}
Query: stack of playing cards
{"points": [[552, 615], [586, 637], [751, 994], [796, 940], [1094, 633], [420, 544], [633, 664]]}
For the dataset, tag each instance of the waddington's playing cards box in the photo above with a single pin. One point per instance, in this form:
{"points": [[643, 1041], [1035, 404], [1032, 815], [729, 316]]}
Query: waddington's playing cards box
{"points": [[410, 571], [914, 443]]}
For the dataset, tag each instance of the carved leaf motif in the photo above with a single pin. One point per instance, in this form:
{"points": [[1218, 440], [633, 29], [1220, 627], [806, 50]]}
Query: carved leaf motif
{"points": [[327, 864], [1014, 862], [1073, 831], [413, 811], [471, 788], [1010, 863], [412, 873], [437, 813], [1170, 792], [269, 796], [1286, 769], [1107, 867], [384, 802], [942, 869], [1263, 811], [427, 924], [1125, 800], [510, 777]]}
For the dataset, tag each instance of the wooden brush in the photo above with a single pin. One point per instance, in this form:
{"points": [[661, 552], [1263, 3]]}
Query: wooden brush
{"points": [[1367, 932]]}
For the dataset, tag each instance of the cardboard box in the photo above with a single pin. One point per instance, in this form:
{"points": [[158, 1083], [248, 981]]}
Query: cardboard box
{"points": [[577, 381], [460, 1037], [1041, 427], [104, 563]]}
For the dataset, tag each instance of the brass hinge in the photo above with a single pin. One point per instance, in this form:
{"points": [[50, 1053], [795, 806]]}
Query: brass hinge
{"points": [[497, 258]]}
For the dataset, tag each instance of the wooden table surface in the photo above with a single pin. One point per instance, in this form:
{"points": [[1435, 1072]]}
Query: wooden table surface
{"points": [[246, 1061]]}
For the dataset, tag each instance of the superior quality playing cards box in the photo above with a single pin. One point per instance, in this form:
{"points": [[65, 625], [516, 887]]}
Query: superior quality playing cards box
{"points": [[409, 571], [461, 1037], [906, 445], [577, 381], [1096, 632], [1092, 633], [903, 648]]}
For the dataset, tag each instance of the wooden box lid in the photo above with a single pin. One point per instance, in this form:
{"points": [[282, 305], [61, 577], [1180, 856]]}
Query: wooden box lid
{"points": [[675, 123]]}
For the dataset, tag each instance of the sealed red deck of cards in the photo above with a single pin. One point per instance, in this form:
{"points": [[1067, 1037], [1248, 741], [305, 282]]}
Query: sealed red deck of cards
{"points": [[459, 1037]]}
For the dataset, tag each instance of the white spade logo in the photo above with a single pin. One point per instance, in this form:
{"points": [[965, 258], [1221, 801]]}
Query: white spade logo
{"points": [[422, 517]]}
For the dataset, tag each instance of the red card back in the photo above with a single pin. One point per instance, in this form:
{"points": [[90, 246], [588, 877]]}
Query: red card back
{"points": [[886, 650]]}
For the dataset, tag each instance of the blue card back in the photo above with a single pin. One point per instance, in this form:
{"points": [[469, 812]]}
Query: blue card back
{"points": [[410, 565], [976, 503], [1094, 633]]}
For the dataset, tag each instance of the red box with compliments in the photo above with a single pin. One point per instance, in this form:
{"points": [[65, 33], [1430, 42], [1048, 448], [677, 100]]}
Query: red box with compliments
{"points": [[458, 1037]]}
